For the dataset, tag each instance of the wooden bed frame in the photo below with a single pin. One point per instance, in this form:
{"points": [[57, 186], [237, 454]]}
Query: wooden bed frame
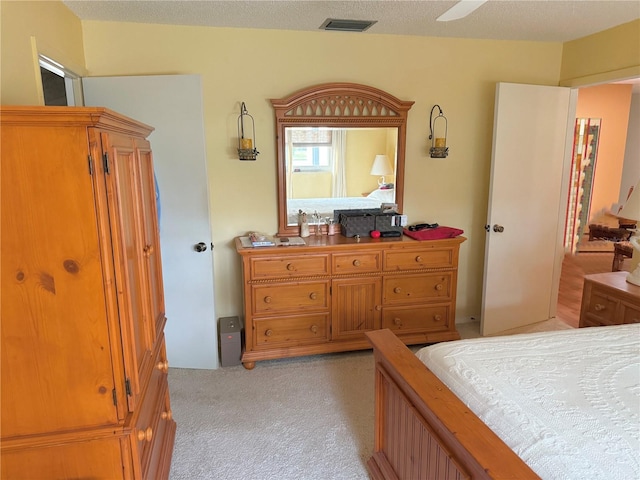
{"points": [[423, 431]]}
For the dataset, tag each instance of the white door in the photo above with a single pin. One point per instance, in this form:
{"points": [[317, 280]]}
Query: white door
{"points": [[172, 104], [532, 135]]}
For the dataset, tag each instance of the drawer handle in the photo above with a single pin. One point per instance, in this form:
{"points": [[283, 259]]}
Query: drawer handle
{"points": [[598, 307], [148, 250], [314, 329], [163, 366], [145, 434], [397, 321], [439, 287], [437, 318], [313, 295], [378, 308], [290, 266], [267, 299], [356, 263], [418, 259], [168, 415], [268, 333], [397, 290]]}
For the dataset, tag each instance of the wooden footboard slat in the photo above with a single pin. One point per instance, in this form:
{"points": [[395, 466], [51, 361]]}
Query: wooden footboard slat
{"points": [[411, 447], [423, 431]]}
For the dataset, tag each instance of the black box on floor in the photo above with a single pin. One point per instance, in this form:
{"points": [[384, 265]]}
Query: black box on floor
{"points": [[230, 338]]}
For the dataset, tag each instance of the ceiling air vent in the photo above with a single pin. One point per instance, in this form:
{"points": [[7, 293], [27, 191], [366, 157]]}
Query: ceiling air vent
{"points": [[346, 25]]}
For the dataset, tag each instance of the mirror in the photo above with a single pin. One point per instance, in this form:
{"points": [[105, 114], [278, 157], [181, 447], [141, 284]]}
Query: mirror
{"points": [[339, 146], [583, 166], [330, 168]]}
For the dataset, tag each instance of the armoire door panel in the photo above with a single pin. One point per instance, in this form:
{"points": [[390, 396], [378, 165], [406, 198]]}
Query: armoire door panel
{"points": [[135, 318], [53, 300], [151, 237]]}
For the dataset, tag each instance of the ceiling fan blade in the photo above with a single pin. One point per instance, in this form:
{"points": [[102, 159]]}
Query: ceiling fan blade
{"points": [[460, 10]]}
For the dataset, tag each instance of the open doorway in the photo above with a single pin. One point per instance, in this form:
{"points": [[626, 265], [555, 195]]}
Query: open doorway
{"points": [[595, 247]]}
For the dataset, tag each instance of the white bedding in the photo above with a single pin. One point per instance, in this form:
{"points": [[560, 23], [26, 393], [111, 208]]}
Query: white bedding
{"points": [[326, 206], [567, 402]]}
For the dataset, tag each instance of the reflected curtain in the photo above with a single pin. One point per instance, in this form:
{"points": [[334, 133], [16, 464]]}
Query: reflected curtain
{"points": [[339, 147], [289, 167]]}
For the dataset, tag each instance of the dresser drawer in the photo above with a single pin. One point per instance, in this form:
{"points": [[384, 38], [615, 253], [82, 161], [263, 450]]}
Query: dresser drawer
{"points": [[630, 313], [289, 297], [289, 266], [406, 289], [416, 319], [361, 262], [293, 330], [601, 308], [416, 259]]}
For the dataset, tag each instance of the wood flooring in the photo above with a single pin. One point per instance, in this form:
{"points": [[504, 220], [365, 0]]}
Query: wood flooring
{"points": [[574, 268]]}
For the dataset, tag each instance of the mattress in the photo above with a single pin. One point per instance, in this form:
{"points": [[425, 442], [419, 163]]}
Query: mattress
{"points": [[566, 402]]}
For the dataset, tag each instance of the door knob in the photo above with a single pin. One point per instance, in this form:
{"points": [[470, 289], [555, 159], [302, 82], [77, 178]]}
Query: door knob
{"points": [[200, 247], [498, 228]]}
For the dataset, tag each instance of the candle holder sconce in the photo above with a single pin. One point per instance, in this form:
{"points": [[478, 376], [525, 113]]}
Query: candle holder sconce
{"points": [[246, 138], [438, 134]]}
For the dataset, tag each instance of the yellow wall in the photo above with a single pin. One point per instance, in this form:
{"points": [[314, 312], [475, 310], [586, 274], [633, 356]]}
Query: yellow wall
{"points": [[610, 55], [29, 28], [362, 147], [610, 103], [256, 65], [459, 75]]}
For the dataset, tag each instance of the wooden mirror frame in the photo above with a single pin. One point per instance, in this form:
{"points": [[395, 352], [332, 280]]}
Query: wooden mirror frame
{"points": [[337, 105]]}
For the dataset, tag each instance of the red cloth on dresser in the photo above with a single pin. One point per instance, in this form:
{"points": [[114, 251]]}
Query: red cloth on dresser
{"points": [[434, 233]]}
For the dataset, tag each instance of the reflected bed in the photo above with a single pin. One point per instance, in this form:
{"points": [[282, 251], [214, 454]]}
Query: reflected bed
{"points": [[326, 206]]}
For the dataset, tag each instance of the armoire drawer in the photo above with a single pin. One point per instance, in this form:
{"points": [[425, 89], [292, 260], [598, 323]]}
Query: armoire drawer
{"points": [[407, 289], [289, 297], [357, 262], [91, 458], [289, 266], [298, 329], [150, 410], [416, 319], [418, 259], [163, 441]]}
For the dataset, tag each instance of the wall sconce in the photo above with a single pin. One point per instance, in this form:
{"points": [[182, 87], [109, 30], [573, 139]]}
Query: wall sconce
{"points": [[381, 167], [438, 134], [246, 139]]}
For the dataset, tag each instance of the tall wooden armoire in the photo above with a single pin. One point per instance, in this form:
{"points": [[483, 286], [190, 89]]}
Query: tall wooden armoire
{"points": [[84, 368]]}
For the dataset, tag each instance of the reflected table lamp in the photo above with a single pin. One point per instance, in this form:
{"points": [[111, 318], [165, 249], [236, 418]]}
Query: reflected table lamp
{"points": [[381, 167], [631, 210]]}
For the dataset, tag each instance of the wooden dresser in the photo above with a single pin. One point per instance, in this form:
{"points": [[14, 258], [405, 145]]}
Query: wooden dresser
{"points": [[84, 367], [608, 299], [323, 297]]}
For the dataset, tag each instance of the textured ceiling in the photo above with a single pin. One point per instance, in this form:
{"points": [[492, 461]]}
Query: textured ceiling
{"points": [[539, 20]]}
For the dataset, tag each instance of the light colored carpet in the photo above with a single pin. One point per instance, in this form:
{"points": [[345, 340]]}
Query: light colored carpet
{"points": [[303, 418], [298, 418]]}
